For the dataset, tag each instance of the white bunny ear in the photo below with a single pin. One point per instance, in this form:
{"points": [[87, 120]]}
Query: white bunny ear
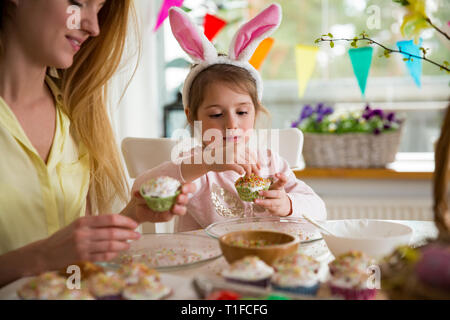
{"points": [[248, 37], [190, 38]]}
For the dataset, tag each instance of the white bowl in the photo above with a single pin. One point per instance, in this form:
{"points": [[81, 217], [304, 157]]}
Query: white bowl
{"points": [[376, 238]]}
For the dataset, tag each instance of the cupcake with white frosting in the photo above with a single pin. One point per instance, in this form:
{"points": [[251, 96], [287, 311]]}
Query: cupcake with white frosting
{"points": [[160, 193], [106, 286], [47, 286], [296, 273], [249, 270], [350, 276], [133, 272], [146, 289]]}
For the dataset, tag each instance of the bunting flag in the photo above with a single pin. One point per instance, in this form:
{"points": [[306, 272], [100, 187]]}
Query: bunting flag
{"points": [[164, 11], [261, 53], [414, 65], [361, 59], [212, 26], [305, 62]]}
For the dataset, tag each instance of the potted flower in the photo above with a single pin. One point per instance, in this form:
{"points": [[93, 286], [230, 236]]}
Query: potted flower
{"points": [[355, 139]]}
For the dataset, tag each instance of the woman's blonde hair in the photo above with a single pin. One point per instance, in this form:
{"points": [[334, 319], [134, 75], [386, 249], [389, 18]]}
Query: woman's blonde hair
{"points": [[84, 88]]}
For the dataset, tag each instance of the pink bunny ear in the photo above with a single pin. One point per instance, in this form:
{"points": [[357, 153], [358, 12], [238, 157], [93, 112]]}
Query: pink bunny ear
{"points": [[249, 36], [194, 42]]}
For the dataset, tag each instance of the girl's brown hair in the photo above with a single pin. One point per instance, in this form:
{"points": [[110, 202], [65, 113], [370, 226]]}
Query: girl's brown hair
{"points": [[237, 77], [84, 88]]}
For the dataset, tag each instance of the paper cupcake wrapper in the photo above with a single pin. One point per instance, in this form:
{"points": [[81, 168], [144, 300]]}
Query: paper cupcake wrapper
{"points": [[160, 204], [246, 195], [310, 291], [352, 293], [265, 282]]}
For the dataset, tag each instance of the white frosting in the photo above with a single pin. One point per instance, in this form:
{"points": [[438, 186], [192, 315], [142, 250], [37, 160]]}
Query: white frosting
{"points": [[161, 187], [249, 268], [294, 279], [150, 290]]}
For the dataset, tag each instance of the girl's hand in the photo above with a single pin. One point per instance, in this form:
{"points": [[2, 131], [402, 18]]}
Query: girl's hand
{"points": [[90, 238], [142, 213], [235, 157], [276, 199]]}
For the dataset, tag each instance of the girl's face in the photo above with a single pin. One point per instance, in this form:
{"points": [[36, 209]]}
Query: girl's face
{"points": [[227, 110], [47, 32]]}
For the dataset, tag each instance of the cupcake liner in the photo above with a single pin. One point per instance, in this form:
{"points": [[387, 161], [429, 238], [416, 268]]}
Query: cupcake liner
{"points": [[310, 291], [259, 283], [246, 195], [352, 293], [160, 204]]}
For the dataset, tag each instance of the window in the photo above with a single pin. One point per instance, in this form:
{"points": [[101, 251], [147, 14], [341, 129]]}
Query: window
{"points": [[389, 86]]}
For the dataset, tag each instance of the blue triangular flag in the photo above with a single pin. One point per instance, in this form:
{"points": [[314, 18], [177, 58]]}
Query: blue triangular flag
{"points": [[414, 65], [361, 60]]}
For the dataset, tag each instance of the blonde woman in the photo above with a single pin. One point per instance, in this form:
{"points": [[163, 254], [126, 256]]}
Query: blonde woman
{"points": [[60, 169]]}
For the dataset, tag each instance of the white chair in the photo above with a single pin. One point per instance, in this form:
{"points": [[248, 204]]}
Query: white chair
{"points": [[142, 154], [291, 145]]}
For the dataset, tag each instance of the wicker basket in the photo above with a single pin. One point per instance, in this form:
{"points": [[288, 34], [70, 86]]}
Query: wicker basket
{"points": [[350, 150]]}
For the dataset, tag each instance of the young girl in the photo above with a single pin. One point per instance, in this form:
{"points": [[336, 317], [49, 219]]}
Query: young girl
{"points": [[224, 94]]}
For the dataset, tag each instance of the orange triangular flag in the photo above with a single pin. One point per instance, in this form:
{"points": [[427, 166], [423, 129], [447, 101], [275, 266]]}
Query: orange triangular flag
{"points": [[261, 53]]}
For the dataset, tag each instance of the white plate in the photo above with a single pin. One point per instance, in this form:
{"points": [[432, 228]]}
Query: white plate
{"points": [[170, 251]]}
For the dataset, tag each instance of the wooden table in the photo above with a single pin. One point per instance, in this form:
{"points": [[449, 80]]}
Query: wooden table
{"points": [[182, 279]]}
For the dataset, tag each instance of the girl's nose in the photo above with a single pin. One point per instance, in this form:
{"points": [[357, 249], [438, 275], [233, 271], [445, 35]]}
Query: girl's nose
{"points": [[89, 22], [231, 122]]}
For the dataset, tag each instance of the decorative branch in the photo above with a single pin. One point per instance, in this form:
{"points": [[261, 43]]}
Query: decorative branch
{"points": [[437, 29], [387, 51]]}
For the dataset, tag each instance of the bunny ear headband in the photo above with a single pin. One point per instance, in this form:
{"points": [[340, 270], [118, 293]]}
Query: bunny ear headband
{"points": [[242, 47]]}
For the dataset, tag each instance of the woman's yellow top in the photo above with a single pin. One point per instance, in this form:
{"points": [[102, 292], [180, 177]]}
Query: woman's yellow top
{"points": [[38, 198]]}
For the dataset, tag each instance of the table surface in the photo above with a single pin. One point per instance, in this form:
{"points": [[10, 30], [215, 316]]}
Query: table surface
{"points": [[182, 278]]}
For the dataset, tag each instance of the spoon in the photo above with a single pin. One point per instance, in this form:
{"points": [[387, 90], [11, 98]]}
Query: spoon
{"points": [[314, 222]]}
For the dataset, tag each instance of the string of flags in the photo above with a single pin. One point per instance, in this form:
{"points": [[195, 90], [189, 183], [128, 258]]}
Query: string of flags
{"points": [[306, 56]]}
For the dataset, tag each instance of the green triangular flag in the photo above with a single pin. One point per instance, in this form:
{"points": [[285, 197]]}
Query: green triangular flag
{"points": [[361, 60]]}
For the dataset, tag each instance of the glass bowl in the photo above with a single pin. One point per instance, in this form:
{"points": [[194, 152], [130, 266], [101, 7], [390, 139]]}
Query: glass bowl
{"points": [[301, 228]]}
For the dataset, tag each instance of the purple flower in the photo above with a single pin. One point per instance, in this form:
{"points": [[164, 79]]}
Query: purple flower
{"points": [[319, 108], [377, 131], [306, 112], [386, 126], [295, 124], [327, 111], [378, 112], [391, 116]]}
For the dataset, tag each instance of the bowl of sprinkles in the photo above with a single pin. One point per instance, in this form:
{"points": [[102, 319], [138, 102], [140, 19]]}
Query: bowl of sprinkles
{"points": [[265, 244]]}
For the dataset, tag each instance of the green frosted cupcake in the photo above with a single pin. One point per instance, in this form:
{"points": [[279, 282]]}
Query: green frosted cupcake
{"points": [[248, 187], [160, 193]]}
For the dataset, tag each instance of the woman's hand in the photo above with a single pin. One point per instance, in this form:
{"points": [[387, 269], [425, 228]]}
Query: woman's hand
{"points": [[276, 199], [91, 238], [142, 213]]}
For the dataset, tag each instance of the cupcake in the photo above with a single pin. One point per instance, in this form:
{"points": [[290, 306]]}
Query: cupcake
{"points": [[106, 286], [296, 273], [295, 280], [249, 270], [75, 294], [349, 276], [248, 187], [47, 286], [146, 289], [160, 193], [87, 269], [132, 273]]}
